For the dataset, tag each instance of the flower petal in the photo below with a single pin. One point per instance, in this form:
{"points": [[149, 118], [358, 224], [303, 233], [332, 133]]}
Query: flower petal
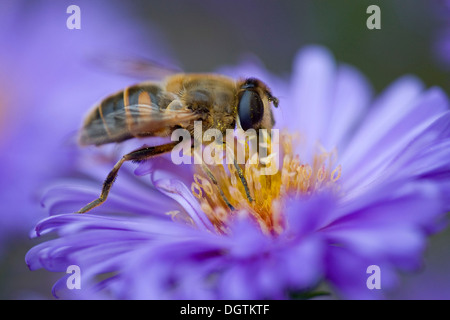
{"points": [[180, 193], [385, 142], [312, 89]]}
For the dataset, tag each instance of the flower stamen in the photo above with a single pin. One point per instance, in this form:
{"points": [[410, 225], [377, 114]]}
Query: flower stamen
{"points": [[295, 178]]}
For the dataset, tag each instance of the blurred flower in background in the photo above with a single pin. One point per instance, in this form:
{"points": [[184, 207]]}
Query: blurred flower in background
{"points": [[441, 50], [366, 185], [47, 83]]}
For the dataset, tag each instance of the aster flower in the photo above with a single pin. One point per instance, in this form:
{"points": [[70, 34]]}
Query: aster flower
{"points": [[362, 182], [46, 82], [441, 39]]}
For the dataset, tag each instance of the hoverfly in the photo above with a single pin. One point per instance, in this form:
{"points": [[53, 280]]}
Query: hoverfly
{"points": [[150, 109]]}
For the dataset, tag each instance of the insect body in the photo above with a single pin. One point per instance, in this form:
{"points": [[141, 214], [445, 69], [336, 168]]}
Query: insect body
{"points": [[157, 109]]}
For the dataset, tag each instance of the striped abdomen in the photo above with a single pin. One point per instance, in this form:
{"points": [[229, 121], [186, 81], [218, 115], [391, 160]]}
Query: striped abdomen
{"points": [[117, 118]]}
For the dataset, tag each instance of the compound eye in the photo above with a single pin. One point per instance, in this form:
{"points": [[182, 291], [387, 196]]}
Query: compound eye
{"points": [[250, 109]]}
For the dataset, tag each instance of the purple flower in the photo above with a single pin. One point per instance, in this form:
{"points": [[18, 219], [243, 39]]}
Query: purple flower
{"points": [[362, 183], [46, 83], [441, 38]]}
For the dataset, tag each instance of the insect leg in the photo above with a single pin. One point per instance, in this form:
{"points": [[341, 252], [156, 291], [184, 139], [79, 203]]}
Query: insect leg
{"points": [[243, 180], [240, 174], [137, 155], [213, 179]]}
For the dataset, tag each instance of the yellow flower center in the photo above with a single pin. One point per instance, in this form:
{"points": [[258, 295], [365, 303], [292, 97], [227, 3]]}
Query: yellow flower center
{"points": [[268, 192]]}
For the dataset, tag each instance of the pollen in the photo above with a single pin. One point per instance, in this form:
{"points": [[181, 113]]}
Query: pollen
{"points": [[225, 197]]}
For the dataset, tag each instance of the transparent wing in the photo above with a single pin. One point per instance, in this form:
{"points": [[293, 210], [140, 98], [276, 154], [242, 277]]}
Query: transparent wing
{"points": [[135, 67], [134, 121], [144, 116]]}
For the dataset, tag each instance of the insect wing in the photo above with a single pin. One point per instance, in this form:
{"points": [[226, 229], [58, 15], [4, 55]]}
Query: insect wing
{"points": [[144, 118], [135, 120], [139, 68]]}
